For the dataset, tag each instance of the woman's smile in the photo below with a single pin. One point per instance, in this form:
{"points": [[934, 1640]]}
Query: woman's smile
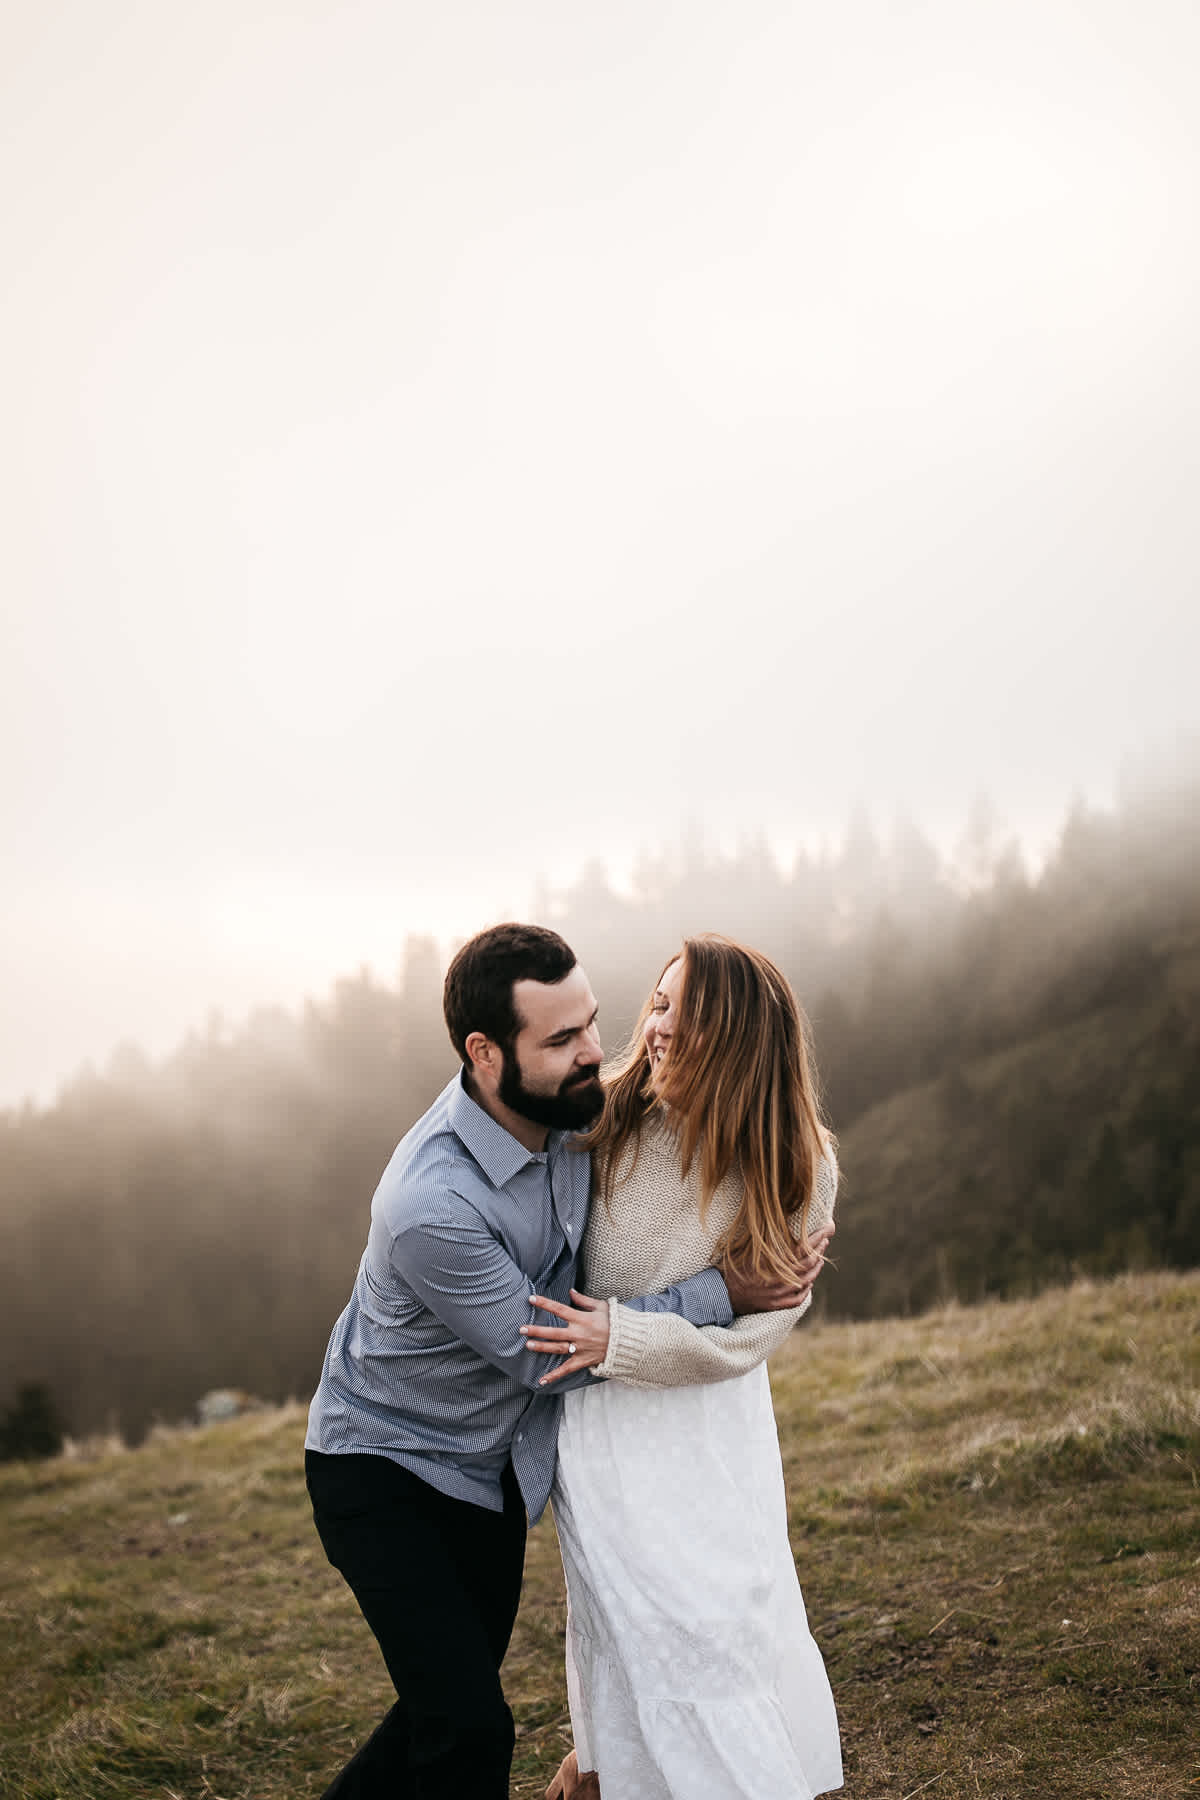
{"points": [[659, 1028]]}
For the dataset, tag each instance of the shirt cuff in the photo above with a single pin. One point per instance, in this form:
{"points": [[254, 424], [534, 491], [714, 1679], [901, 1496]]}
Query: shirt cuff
{"points": [[708, 1291]]}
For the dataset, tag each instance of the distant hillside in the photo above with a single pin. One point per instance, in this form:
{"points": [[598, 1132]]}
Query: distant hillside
{"points": [[1076, 1150], [994, 1513]]}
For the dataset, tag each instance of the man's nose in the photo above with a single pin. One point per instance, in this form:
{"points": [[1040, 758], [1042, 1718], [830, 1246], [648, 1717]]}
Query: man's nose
{"points": [[591, 1055]]}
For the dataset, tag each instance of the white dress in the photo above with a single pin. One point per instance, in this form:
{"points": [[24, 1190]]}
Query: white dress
{"points": [[691, 1671]]}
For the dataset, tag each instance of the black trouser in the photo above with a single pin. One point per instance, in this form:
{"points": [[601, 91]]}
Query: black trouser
{"points": [[438, 1581]]}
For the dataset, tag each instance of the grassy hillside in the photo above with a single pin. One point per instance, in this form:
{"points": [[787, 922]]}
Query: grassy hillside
{"points": [[995, 1513]]}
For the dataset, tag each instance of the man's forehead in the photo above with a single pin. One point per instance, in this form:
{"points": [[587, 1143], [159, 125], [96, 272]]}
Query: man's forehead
{"points": [[546, 1007]]}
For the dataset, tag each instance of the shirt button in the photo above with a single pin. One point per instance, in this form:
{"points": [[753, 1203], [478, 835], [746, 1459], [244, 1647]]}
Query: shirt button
{"points": [[520, 1436]]}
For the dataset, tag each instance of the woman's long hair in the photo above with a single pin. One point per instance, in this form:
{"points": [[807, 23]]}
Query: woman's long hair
{"points": [[737, 1088]]}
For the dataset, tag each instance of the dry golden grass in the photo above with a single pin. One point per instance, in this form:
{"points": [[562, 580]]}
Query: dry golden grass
{"points": [[999, 1539], [996, 1519]]}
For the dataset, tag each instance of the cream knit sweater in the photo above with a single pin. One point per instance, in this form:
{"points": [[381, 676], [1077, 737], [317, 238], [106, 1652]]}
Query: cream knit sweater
{"points": [[649, 1237]]}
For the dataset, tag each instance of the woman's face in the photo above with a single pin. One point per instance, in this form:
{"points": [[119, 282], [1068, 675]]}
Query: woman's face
{"points": [[659, 1028]]}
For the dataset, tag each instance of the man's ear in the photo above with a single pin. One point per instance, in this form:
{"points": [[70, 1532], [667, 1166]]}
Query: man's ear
{"points": [[484, 1054]]}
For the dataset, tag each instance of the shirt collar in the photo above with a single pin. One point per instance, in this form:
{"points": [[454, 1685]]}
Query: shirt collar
{"points": [[496, 1151]]}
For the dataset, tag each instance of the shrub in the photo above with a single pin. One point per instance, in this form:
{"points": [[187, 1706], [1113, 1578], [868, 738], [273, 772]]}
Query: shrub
{"points": [[31, 1427]]}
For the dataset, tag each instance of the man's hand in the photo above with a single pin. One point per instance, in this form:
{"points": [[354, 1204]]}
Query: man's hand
{"points": [[569, 1784], [582, 1339], [749, 1296]]}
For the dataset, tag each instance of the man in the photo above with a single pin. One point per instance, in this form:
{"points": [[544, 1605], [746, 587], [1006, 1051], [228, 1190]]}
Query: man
{"points": [[431, 1434]]}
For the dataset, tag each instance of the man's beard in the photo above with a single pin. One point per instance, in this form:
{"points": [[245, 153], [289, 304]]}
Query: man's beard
{"points": [[573, 1105]]}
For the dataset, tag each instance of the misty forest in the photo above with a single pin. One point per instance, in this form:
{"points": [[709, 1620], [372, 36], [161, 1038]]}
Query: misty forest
{"points": [[1011, 1065]]}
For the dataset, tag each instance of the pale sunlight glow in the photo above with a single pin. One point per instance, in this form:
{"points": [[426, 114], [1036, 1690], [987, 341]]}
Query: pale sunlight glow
{"points": [[444, 446]]}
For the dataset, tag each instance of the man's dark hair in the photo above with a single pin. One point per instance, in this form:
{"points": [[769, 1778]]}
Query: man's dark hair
{"points": [[478, 995]]}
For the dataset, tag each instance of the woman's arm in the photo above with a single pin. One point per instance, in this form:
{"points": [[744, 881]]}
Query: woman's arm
{"points": [[643, 1353], [657, 1350]]}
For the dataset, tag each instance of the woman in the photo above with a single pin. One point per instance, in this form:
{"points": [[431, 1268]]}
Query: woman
{"points": [[691, 1671]]}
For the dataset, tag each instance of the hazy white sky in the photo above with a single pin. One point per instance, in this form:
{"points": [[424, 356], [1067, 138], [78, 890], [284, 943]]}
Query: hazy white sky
{"points": [[441, 443]]}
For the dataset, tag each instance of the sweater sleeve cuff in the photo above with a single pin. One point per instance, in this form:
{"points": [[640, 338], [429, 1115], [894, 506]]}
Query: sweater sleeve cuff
{"points": [[627, 1334]]}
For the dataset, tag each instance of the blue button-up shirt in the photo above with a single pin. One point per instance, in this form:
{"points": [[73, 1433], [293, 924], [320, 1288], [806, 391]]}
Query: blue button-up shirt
{"points": [[427, 1365]]}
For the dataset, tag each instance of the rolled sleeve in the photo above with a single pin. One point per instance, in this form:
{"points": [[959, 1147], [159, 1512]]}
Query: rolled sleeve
{"points": [[467, 1279]]}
